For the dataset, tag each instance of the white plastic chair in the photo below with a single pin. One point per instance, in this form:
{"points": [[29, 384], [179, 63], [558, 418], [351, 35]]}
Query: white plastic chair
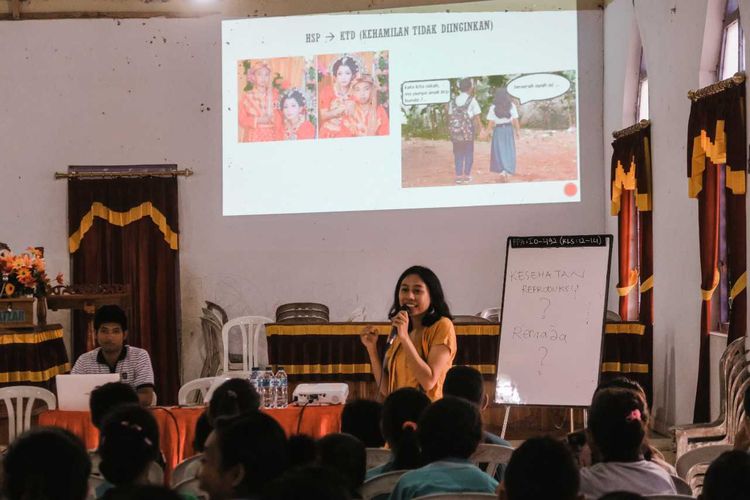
{"points": [[253, 336], [190, 487], [19, 401], [202, 385], [187, 469], [682, 487], [377, 456], [492, 455], [380, 485], [491, 313], [702, 455]]}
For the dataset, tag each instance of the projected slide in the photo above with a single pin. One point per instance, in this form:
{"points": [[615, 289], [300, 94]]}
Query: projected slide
{"points": [[395, 111]]}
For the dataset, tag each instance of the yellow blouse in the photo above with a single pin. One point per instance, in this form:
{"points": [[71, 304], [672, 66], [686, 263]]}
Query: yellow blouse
{"points": [[400, 374]]}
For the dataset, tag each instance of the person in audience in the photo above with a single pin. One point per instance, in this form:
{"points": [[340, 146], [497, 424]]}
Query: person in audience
{"points": [[541, 468], [466, 382], [46, 464], [128, 447], [425, 344], [578, 441], [346, 454], [243, 454], [728, 477], [742, 436], [401, 411], [144, 492], [617, 425], [114, 356], [449, 432], [202, 430], [311, 482], [303, 450], [234, 397], [107, 397], [367, 117], [361, 418]]}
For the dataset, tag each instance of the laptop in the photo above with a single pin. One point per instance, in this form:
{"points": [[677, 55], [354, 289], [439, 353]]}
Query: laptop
{"points": [[73, 391]]}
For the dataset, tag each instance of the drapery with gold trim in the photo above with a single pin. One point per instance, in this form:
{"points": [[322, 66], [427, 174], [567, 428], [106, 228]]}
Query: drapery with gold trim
{"points": [[631, 197], [125, 230], [716, 151]]}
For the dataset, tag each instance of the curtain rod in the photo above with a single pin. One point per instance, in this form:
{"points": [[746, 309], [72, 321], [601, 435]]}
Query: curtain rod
{"points": [[114, 175], [619, 134], [736, 79]]}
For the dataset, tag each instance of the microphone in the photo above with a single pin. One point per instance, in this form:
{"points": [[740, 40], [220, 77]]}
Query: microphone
{"points": [[394, 331]]}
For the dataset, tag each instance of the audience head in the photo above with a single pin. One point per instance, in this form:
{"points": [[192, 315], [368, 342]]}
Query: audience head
{"points": [[728, 477], [540, 469], [202, 430], [449, 428], [303, 450], [45, 464], [346, 454], [421, 288], [401, 412], [622, 383], [465, 382], [617, 423], [128, 443], [312, 482], [242, 455], [361, 418], [234, 397], [109, 396]]}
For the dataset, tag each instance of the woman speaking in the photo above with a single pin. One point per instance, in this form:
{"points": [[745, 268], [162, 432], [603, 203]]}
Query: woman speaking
{"points": [[425, 342]]}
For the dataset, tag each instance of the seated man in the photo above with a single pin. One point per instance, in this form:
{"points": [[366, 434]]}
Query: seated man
{"points": [[114, 356]]}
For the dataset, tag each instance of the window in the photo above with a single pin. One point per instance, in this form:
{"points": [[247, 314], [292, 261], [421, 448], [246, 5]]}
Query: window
{"points": [[732, 57], [641, 103]]}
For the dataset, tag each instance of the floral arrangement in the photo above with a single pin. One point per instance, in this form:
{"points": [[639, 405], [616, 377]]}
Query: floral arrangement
{"points": [[24, 274]]}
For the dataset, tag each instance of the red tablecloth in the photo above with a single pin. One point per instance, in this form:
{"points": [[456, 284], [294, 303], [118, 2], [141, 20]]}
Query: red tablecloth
{"points": [[177, 426]]}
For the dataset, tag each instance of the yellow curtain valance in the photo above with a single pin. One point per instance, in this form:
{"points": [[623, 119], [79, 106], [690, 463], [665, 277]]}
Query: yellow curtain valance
{"points": [[121, 219], [638, 159], [716, 152]]}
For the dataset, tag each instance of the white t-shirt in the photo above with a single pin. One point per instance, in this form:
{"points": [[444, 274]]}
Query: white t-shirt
{"points": [[492, 117], [473, 109], [642, 477]]}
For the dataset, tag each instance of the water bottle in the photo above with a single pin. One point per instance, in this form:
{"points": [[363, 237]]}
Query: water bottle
{"points": [[254, 375], [282, 398], [274, 389], [266, 389]]}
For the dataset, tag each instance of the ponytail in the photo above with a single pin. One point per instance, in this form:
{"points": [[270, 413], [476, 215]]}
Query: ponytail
{"points": [[406, 454]]}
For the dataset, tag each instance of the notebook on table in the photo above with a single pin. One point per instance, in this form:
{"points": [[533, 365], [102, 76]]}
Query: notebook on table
{"points": [[73, 391]]}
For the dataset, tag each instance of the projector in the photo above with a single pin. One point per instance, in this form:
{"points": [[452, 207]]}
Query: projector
{"points": [[320, 394]]}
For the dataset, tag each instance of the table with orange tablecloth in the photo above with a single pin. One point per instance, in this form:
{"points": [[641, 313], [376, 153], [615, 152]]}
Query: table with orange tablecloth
{"points": [[177, 426]]}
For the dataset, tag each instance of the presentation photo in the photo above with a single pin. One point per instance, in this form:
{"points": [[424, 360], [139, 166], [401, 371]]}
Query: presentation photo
{"points": [[490, 129], [399, 111]]}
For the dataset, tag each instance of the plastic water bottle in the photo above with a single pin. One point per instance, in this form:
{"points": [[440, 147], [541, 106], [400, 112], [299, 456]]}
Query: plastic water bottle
{"points": [[282, 385], [273, 390], [254, 376], [265, 384]]}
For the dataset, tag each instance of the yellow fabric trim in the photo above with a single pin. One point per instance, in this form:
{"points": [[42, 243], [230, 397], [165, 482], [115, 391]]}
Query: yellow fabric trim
{"points": [[704, 147], [355, 329], [648, 284], [34, 376], [354, 368], [735, 180], [121, 219], [643, 200], [707, 294], [622, 182], [622, 291], [30, 338], [624, 328], [738, 286], [625, 367]]}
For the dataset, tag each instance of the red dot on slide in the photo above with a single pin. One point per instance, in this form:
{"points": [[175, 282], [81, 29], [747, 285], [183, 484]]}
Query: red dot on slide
{"points": [[570, 189]]}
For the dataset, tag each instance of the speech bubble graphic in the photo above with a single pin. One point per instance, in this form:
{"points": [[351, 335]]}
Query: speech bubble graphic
{"points": [[538, 87], [425, 92]]}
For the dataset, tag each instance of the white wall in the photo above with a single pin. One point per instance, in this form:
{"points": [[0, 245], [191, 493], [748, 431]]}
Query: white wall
{"points": [[148, 91]]}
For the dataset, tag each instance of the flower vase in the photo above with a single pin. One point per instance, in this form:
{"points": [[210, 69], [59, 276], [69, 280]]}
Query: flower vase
{"points": [[41, 310]]}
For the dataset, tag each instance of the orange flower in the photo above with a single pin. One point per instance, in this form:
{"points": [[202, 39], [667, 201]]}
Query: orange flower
{"points": [[9, 289], [23, 274]]}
